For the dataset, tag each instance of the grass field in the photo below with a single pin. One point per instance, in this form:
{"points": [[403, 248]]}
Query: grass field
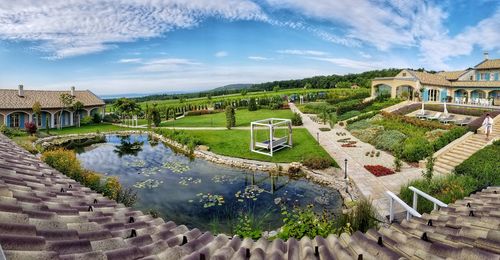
{"points": [[86, 129], [243, 118], [236, 143]]}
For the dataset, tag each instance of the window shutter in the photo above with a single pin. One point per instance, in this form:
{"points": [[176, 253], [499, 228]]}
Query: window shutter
{"points": [[496, 76], [478, 76], [487, 76]]}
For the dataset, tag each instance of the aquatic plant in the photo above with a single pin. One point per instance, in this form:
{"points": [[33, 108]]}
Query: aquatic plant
{"points": [[224, 179], [250, 192], [137, 163], [176, 167], [149, 183], [186, 181], [210, 200]]}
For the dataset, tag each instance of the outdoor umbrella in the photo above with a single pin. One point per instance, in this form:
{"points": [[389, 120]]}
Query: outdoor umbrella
{"points": [[445, 109]]}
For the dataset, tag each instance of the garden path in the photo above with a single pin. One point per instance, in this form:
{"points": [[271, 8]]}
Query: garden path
{"points": [[369, 186]]}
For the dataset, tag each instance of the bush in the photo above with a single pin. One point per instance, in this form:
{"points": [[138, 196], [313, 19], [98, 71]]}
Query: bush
{"points": [[305, 222], [247, 227], [11, 132], [30, 127], [416, 148], [296, 119], [483, 166], [230, 117], [369, 134], [348, 115], [252, 105], [109, 118], [64, 161], [86, 120], [96, 118], [352, 105], [389, 140], [448, 137], [201, 112], [360, 125], [317, 162], [447, 189]]}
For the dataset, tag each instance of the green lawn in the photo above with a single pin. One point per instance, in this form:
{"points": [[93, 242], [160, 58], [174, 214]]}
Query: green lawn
{"points": [[236, 143], [243, 118], [86, 129]]}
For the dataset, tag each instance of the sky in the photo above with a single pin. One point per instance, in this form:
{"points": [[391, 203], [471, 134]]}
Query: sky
{"points": [[115, 47]]}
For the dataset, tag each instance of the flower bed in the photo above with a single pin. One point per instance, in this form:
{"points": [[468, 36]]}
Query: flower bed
{"points": [[379, 170]]}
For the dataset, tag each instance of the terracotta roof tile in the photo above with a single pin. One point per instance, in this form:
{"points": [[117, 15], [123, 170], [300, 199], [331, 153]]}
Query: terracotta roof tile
{"points": [[489, 64], [430, 79], [9, 98], [451, 75], [476, 84], [467, 229]]}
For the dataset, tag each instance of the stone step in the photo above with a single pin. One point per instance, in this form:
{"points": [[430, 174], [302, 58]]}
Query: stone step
{"points": [[472, 143], [452, 158], [444, 161], [457, 155], [439, 170], [460, 149], [444, 165]]}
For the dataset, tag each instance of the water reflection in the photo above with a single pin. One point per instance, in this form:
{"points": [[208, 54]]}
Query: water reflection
{"points": [[128, 146], [198, 193]]}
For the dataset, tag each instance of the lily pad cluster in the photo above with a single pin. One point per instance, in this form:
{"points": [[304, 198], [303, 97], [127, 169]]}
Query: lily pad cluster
{"points": [[210, 200], [186, 181], [176, 167], [250, 192], [224, 179], [150, 171], [137, 163], [149, 183]]}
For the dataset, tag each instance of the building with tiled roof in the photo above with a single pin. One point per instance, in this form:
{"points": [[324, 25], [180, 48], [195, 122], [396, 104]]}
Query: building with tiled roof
{"points": [[46, 215], [16, 107], [477, 86]]}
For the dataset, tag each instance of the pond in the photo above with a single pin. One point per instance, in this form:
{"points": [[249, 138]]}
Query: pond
{"points": [[198, 193]]}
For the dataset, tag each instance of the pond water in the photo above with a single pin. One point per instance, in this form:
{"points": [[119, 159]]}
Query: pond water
{"points": [[198, 193]]}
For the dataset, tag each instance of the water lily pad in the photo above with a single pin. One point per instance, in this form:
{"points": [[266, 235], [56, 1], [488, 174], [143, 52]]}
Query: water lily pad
{"points": [[150, 171], [186, 181], [224, 179], [176, 167], [137, 163], [149, 184], [210, 200], [250, 192]]}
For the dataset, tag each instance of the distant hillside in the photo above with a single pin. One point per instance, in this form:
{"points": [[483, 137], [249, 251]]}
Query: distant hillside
{"points": [[320, 82], [231, 87]]}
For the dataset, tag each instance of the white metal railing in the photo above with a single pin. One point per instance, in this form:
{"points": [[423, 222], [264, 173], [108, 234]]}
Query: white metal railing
{"points": [[417, 192], [409, 210], [2, 255]]}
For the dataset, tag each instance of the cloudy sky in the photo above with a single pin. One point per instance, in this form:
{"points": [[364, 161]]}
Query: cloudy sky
{"points": [[148, 46]]}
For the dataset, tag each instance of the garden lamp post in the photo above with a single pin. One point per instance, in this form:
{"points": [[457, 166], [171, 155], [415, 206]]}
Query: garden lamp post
{"points": [[317, 136], [345, 176]]}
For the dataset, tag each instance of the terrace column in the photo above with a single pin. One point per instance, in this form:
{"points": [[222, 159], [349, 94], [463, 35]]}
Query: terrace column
{"points": [[30, 117], [394, 91], [468, 95], [52, 120], [71, 119]]}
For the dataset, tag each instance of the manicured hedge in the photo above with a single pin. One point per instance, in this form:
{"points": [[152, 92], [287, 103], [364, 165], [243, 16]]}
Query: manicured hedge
{"points": [[416, 122], [356, 104], [448, 137], [416, 149], [201, 112], [484, 166]]}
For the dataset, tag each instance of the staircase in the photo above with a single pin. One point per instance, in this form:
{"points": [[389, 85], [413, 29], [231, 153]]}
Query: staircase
{"points": [[447, 161]]}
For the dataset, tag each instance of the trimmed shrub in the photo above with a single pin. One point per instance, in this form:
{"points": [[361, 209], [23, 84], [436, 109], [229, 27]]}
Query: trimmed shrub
{"points": [[296, 119], [484, 166], [447, 189], [252, 105], [448, 137], [367, 135], [86, 120], [30, 127], [96, 118], [416, 148], [201, 112], [359, 125], [362, 116], [350, 105], [317, 162], [433, 135], [389, 140], [109, 118], [230, 117], [348, 115]]}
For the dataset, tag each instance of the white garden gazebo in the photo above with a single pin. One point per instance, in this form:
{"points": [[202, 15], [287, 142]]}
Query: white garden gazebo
{"points": [[271, 143]]}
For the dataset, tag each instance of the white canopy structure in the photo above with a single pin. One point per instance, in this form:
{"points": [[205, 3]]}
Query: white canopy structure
{"points": [[271, 143]]}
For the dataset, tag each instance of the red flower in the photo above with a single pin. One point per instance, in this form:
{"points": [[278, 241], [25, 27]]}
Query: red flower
{"points": [[378, 170]]}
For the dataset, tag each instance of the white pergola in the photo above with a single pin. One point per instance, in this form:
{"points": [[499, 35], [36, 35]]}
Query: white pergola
{"points": [[273, 144]]}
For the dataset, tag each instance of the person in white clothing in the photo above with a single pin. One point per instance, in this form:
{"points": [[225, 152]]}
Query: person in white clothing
{"points": [[488, 125]]}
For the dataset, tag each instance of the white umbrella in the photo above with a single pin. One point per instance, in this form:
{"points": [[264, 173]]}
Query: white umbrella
{"points": [[445, 109]]}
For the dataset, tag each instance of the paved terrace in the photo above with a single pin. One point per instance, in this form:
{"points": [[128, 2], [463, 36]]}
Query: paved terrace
{"points": [[45, 215], [370, 186]]}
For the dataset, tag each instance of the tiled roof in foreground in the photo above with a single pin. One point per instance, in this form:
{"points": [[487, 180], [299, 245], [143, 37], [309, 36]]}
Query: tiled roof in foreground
{"points": [[9, 98], [45, 215]]}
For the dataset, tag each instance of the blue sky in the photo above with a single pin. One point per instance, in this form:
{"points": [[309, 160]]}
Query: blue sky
{"points": [[150, 46]]}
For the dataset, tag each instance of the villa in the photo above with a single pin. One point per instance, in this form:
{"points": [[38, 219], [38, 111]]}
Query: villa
{"points": [[16, 107], [478, 86]]}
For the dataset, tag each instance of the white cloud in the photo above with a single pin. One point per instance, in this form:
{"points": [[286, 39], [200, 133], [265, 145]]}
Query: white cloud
{"points": [[221, 54], [365, 55], [303, 52], [133, 60], [351, 64], [168, 64], [65, 28], [258, 58]]}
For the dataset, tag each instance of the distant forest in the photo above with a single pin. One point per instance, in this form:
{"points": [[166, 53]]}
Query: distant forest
{"points": [[332, 81]]}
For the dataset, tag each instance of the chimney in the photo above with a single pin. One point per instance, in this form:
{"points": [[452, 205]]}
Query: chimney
{"points": [[73, 91], [20, 91], [486, 55]]}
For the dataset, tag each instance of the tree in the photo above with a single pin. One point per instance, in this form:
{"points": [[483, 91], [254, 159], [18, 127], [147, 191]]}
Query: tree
{"points": [[276, 88], [66, 101], [37, 112], [77, 108], [126, 107], [155, 115], [307, 85], [230, 117], [147, 113], [252, 105], [343, 84], [244, 92]]}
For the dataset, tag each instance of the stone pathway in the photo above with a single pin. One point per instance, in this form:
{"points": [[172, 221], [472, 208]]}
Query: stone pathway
{"points": [[369, 186]]}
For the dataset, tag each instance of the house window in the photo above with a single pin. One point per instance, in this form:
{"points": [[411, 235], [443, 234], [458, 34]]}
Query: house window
{"points": [[404, 74], [14, 120], [471, 78], [433, 95]]}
